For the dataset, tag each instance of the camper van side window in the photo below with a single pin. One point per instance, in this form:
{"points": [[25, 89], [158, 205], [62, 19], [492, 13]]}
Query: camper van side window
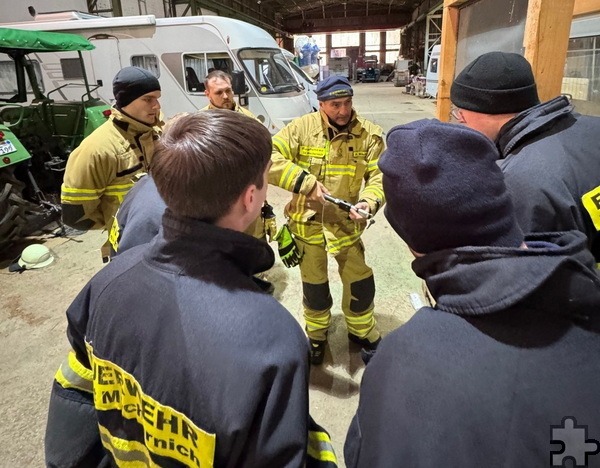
{"points": [[220, 61], [147, 62], [434, 65], [8, 78], [195, 71], [197, 66]]}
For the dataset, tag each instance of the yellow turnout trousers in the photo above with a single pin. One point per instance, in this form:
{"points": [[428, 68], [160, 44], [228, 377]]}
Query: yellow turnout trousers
{"points": [[358, 290]]}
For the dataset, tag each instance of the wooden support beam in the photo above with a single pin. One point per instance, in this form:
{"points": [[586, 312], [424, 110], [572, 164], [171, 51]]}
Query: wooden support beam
{"points": [[545, 41], [449, 40], [545, 44], [585, 7]]}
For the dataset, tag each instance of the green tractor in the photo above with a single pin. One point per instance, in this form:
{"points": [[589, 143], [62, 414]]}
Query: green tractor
{"points": [[37, 134]]}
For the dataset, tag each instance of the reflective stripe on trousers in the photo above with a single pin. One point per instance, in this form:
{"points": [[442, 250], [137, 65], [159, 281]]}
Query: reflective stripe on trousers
{"points": [[358, 291]]}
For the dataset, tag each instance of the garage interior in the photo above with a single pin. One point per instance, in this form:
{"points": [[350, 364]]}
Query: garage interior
{"points": [[359, 29]]}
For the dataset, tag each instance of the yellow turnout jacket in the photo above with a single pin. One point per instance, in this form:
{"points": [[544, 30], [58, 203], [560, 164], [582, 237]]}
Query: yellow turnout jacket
{"points": [[102, 169], [345, 162]]}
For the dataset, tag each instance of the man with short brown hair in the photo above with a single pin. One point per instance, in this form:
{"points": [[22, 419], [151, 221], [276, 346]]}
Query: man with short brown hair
{"points": [[177, 354], [138, 220], [218, 90]]}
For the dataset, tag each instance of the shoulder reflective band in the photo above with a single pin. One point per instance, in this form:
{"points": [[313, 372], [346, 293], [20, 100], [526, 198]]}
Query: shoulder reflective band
{"points": [[73, 374]]}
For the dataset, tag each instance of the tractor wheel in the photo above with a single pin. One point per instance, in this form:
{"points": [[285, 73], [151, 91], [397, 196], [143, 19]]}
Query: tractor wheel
{"points": [[14, 210]]}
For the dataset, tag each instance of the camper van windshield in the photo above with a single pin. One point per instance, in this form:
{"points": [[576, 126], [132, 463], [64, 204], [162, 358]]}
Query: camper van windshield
{"points": [[269, 70]]}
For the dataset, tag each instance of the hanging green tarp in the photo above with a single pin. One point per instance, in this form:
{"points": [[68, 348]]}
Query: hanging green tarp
{"points": [[41, 41]]}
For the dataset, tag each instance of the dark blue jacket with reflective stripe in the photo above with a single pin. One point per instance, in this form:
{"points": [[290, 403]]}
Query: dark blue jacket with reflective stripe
{"points": [[186, 350], [551, 160]]}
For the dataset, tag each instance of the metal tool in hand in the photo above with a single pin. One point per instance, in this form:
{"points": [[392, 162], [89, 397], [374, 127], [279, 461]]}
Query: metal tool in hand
{"points": [[346, 206]]}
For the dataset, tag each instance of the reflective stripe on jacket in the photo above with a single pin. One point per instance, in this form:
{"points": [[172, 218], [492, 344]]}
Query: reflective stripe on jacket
{"points": [[102, 169], [310, 149]]}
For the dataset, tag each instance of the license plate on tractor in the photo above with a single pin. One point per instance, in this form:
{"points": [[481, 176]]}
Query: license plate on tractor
{"points": [[7, 147]]}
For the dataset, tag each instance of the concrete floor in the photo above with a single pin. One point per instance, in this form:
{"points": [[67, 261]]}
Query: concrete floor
{"points": [[33, 304]]}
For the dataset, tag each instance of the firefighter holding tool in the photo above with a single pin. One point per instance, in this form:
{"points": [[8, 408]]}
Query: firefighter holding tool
{"points": [[330, 153]]}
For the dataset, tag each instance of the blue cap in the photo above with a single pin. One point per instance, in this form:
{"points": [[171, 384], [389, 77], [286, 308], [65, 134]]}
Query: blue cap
{"points": [[334, 87]]}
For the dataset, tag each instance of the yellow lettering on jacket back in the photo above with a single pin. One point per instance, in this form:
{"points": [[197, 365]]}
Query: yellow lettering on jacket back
{"points": [[168, 432], [591, 202]]}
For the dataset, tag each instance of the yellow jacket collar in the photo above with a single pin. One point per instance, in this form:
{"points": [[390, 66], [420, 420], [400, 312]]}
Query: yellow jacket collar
{"points": [[211, 107], [135, 126], [354, 127]]}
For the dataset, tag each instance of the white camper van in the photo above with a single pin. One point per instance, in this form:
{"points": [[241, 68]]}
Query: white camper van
{"points": [[431, 85], [180, 52]]}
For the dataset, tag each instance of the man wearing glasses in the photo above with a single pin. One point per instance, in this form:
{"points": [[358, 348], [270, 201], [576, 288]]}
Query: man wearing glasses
{"points": [[549, 154]]}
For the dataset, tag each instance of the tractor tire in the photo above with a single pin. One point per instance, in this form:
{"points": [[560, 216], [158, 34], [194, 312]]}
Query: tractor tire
{"points": [[15, 212]]}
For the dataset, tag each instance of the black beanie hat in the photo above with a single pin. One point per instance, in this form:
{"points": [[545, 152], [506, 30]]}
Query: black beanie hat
{"points": [[444, 189], [131, 83], [495, 83]]}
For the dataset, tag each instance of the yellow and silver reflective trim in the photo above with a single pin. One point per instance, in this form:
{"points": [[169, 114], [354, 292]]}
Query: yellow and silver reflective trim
{"points": [[282, 147], [288, 176], [79, 195], [339, 170], [126, 453], [373, 165], [339, 244], [118, 190], [317, 323], [73, 374], [376, 192], [316, 239], [300, 232], [366, 318], [303, 164], [320, 447]]}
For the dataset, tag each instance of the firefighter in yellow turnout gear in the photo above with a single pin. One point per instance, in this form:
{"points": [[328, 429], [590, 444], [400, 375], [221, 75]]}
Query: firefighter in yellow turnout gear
{"points": [[333, 151], [104, 167]]}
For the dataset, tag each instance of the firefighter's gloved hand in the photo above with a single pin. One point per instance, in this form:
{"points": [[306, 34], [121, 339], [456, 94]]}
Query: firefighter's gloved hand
{"points": [[270, 222], [288, 250]]}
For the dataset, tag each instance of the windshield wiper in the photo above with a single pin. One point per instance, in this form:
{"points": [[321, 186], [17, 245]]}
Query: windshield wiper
{"points": [[288, 87]]}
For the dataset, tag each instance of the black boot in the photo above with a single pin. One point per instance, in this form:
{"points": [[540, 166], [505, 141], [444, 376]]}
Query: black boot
{"points": [[364, 343], [368, 348], [317, 352]]}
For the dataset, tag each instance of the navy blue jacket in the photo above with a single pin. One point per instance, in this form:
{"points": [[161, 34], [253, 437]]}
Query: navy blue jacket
{"points": [[139, 216], [188, 353], [551, 160], [511, 348]]}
